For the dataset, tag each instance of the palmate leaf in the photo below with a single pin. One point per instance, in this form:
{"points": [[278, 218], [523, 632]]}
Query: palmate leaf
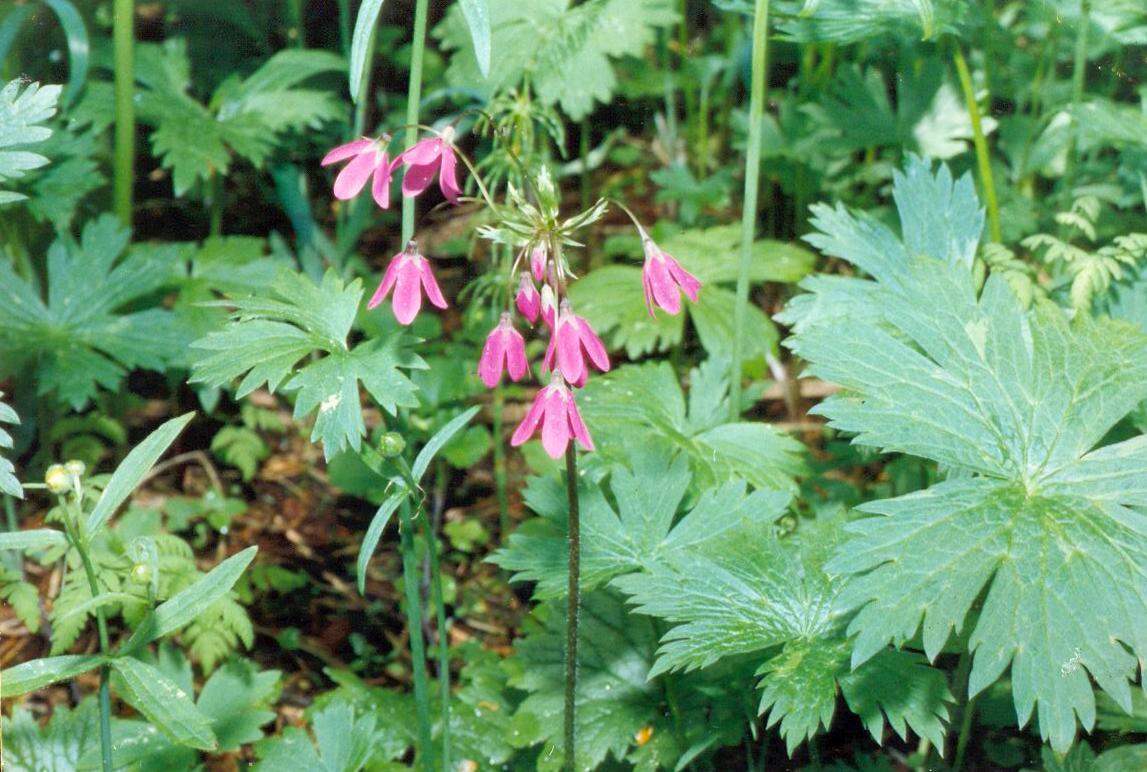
{"points": [[717, 451], [1037, 521], [77, 340], [268, 336], [570, 57], [58, 746], [750, 593], [640, 533], [8, 482], [851, 21], [22, 109]]}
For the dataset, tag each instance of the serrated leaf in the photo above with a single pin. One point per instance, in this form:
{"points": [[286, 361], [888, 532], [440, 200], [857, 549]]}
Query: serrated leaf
{"points": [[8, 482], [241, 447], [1037, 521], [851, 21], [22, 110], [38, 673], [58, 745], [237, 698], [640, 533], [345, 743], [165, 704]]}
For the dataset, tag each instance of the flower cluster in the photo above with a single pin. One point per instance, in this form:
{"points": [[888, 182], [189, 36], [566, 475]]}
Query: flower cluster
{"points": [[409, 272]]}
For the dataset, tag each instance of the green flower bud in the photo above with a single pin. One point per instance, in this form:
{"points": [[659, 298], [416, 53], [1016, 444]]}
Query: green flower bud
{"points": [[391, 445], [76, 468], [58, 479], [141, 573]]}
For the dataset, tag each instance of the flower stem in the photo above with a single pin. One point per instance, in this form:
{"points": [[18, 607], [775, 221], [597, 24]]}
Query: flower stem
{"points": [[1078, 70], [749, 208], [437, 598], [413, 98], [964, 709], [572, 609], [981, 144], [124, 41], [417, 644]]}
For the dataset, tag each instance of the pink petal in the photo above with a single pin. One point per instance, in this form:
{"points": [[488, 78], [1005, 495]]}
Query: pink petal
{"points": [[387, 282], [571, 363], [593, 345], [354, 175], [686, 280], [516, 361], [648, 288], [556, 426], [493, 355], [528, 301], [380, 187], [343, 152], [579, 428], [424, 152], [665, 292], [538, 262], [430, 284], [548, 359], [529, 424], [417, 179], [448, 176], [407, 293]]}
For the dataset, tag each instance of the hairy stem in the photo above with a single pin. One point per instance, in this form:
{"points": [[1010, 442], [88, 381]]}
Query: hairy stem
{"points": [[572, 609], [417, 644], [429, 531], [749, 208], [123, 171], [983, 161], [413, 98]]}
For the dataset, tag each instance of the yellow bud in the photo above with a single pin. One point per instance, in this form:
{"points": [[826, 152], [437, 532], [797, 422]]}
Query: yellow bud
{"points": [[141, 573], [76, 468], [644, 735], [58, 479]]}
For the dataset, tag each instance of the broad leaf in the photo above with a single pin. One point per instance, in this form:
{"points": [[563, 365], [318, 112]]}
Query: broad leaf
{"points": [[1037, 521], [58, 746], [164, 703], [852, 21], [22, 110], [345, 743]]}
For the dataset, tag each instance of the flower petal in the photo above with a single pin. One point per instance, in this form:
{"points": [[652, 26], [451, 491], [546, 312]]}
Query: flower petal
{"points": [[354, 175], [665, 292], [417, 179], [686, 280], [579, 428], [448, 176], [529, 302], [592, 344], [424, 152], [648, 287], [556, 425], [529, 424], [407, 292], [493, 355], [516, 362], [380, 186], [343, 152], [571, 363], [430, 284], [387, 282]]}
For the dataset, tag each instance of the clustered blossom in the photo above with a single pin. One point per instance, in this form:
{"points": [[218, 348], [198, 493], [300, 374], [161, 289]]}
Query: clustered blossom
{"points": [[408, 274]]}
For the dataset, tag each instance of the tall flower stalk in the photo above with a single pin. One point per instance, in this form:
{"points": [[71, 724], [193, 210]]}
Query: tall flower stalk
{"points": [[749, 208], [413, 98], [123, 177]]}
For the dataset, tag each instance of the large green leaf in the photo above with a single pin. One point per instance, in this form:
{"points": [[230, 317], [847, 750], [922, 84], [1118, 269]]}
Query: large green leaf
{"points": [[164, 703], [58, 745], [38, 673], [22, 110], [1034, 519]]}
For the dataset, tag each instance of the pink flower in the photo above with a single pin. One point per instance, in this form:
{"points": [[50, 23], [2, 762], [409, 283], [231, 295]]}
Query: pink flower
{"points": [[408, 273], [427, 157], [555, 409], [549, 305], [504, 349], [538, 262], [661, 276], [369, 157], [529, 302], [572, 339]]}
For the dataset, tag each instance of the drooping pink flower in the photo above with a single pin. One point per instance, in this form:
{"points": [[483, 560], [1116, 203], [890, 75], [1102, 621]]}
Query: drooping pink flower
{"points": [[504, 349], [529, 302], [538, 262], [409, 274], [572, 340], [661, 277], [549, 305], [556, 410], [430, 156], [368, 158]]}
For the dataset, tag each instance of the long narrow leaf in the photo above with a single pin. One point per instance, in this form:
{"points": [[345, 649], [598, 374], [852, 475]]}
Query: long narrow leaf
{"points": [[30, 676], [36, 539], [440, 438], [374, 533], [163, 703], [477, 13], [79, 48], [131, 472], [360, 42]]}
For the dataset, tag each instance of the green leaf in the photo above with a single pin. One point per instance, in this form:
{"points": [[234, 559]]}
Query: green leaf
{"points": [[22, 110], [717, 451], [851, 21], [79, 49], [38, 673], [611, 299], [31, 540], [440, 438], [477, 13], [165, 704], [8, 482], [345, 743], [572, 49], [58, 745], [902, 687], [187, 604], [374, 533], [133, 469], [641, 533], [360, 51], [1034, 520], [238, 699], [241, 447]]}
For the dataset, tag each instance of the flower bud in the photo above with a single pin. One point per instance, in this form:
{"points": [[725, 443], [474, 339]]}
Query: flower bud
{"points": [[76, 468], [141, 573], [391, 445], [58, 478]]}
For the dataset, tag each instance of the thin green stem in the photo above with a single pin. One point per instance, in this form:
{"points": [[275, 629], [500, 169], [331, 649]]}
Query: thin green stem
{"points": [[983, 161], [215, 204], [443, 640], [413, 99], [1078, 71], [964, 708], [752, 184], [583, 156], [417, 644], [124, 171], [80, 543], [572, 608]]}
